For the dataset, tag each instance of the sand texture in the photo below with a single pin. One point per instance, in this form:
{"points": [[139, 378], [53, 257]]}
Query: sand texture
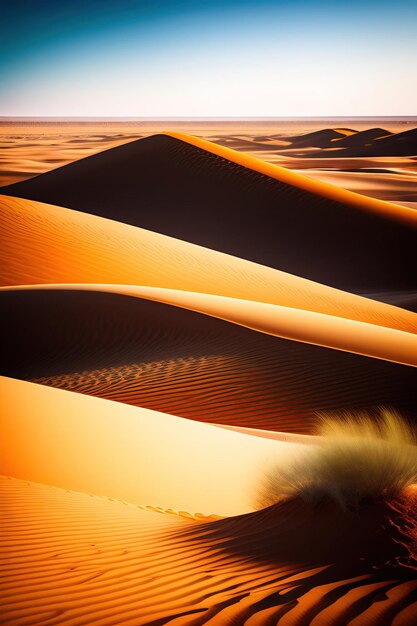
{"points": [[73, 558], [175, 315], [177, 361], [208, 189]]}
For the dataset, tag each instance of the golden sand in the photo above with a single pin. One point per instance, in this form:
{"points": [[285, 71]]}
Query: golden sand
{"points": [[42, 243]]}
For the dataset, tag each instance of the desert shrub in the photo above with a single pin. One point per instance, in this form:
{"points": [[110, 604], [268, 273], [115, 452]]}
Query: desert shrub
{"points": [[357, 458]]}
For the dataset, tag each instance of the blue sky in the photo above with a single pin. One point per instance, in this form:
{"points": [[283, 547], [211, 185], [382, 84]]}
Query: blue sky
{"points": [[208, 58]]}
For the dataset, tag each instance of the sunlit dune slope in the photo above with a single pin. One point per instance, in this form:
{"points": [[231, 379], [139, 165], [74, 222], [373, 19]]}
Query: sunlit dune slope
{"points": [[209, 195], [46, 244], [72, 558], [96, 446], [177, 361]]}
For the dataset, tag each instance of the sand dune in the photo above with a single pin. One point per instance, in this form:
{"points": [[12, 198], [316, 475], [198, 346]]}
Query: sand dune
{"points": [[396, 185], [47, 244], [396, 213], [392, 179], [113, 333], [319, 139], [177, 361], [28, 149], [280, 213], [96, 446], [360, 138], [399, 142], [375, 142], [340, 142], [298, 325], [91, 565]]}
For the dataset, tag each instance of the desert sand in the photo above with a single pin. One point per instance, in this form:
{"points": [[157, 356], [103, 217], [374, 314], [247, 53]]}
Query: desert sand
{"points": [[48, 244], [30, 147], [309, 327], [279, 212], [129, 453], [93, 562], [92, 565], [158, 363], [177, 361]]}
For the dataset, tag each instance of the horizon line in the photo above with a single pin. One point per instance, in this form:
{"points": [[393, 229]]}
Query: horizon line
{"points": [[199, 118]]}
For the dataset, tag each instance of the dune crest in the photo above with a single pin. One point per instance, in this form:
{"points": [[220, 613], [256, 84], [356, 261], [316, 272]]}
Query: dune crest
{"points": [[228, 201], [332, 192], [46, 244], [298, 325], [177, 361]]}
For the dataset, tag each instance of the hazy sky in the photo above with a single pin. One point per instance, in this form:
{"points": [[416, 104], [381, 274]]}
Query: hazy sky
{"points": [[208, 58]]}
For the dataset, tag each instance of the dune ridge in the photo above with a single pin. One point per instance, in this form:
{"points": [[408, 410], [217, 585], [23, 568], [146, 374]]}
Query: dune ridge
{"points": [[373, 142], [364, 203], [281, 214], [298, 325], [44, 150], [176, 361], [47, 244]]}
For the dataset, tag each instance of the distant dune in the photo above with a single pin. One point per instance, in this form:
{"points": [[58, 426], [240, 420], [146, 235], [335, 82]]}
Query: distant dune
{"points": [[200, 192], [398, 144], [320, 138], [361, 138], [375, 142], [176, 361], [345, 142]]}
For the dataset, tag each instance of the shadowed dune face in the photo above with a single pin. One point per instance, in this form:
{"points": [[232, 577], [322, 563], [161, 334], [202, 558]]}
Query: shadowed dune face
{"points": [[169, 186], [346, 559], [323, 534], [176, 361], [375, 142], [361, 138], [318, 139]]}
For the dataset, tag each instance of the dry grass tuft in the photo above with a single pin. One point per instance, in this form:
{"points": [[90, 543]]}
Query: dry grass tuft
{"points": [[358, 459]]}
